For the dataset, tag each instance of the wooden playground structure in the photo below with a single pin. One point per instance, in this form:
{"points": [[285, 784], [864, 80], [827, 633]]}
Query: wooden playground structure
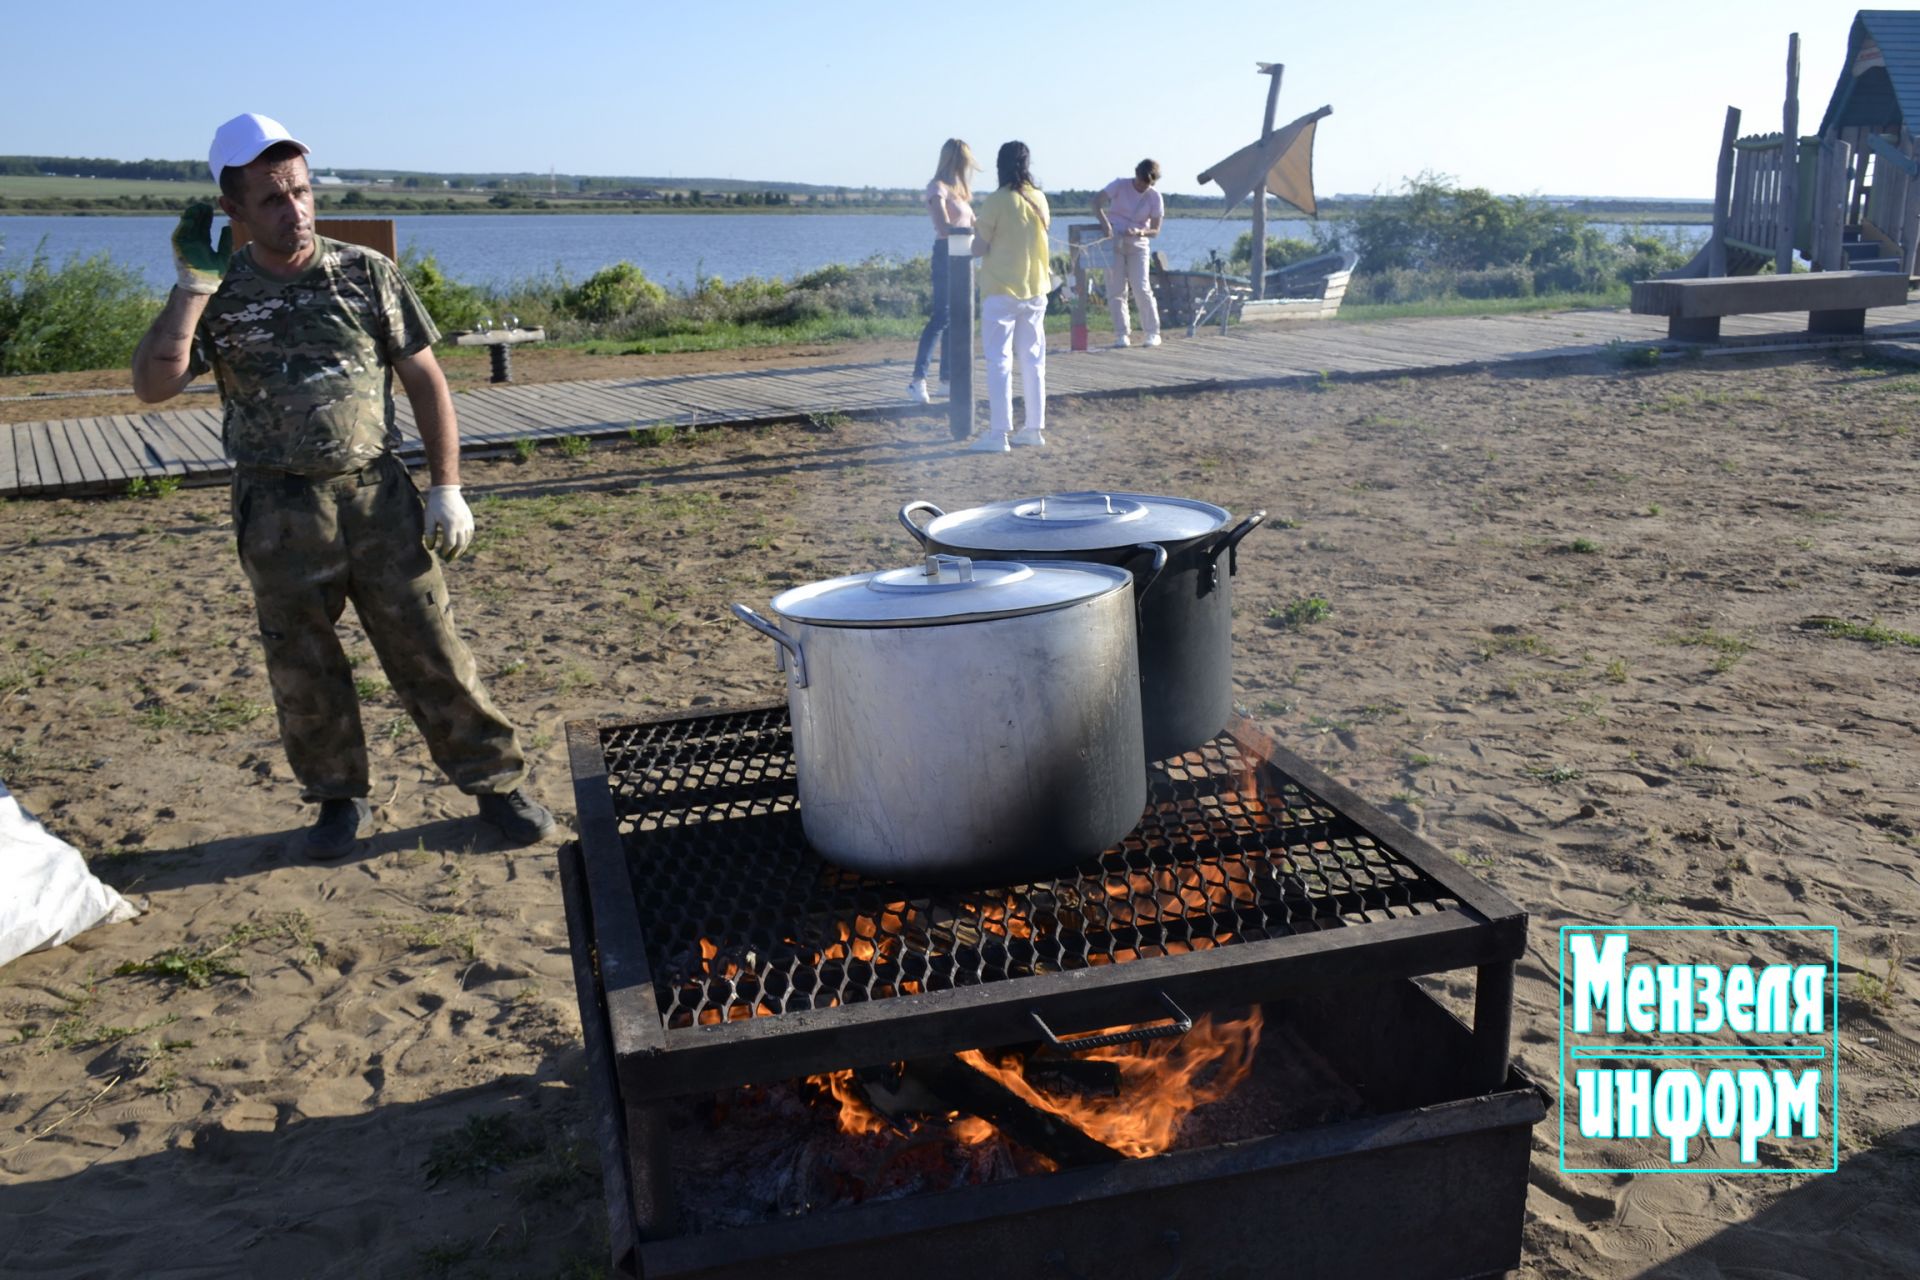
{"points": [[1845, 198]]}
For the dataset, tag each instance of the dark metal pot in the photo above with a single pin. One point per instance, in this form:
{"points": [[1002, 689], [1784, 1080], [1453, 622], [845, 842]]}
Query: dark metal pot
{"points": [[1185, 611], [963, 722]]}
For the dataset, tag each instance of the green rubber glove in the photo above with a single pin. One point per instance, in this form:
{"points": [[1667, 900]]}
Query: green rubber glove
{"points": [[199, 263]]}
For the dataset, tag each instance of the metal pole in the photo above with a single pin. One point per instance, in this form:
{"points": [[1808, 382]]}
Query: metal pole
{"points": [[1076, 236], [960, 333], [1273, 71]]}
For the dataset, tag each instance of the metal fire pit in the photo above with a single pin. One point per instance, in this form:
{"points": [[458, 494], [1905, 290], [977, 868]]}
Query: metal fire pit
{"points": [[713, 949]]}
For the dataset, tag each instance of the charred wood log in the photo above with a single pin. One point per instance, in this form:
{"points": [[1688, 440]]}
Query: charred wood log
{"points": [[962, 1088]]}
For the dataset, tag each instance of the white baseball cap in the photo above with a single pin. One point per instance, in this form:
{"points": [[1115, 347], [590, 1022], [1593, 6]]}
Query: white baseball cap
{"points": [[241, 140]]}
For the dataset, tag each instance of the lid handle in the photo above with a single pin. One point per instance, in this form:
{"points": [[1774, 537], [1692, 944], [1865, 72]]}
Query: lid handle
{"points": [[1071, 499], [945, 568]]}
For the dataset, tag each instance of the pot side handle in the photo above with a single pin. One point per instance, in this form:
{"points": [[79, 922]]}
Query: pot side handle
{"points": [[910, 510], [1231, 543], [1145, 581], [779, 637]]}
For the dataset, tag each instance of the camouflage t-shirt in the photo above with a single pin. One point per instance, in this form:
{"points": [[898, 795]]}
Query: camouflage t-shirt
{"points": [[305, 366]]}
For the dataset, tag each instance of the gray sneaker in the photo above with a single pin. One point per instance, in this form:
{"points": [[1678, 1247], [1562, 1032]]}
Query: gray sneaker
{"points": [[342, 824], [517, 816]]}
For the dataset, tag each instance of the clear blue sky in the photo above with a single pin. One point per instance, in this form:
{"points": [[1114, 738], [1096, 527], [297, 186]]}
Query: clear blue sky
{"points": [[1547, 97]]}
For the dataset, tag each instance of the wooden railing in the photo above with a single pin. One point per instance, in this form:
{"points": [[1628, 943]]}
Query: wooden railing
{"points": [[1892, 207], [1754, 211]]}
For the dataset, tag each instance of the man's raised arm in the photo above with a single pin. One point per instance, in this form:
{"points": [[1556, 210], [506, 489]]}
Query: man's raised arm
{"points": [[163, 362]]}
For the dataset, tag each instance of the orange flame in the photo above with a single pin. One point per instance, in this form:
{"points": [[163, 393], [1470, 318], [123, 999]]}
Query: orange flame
{"points": [[1161, 1083]]}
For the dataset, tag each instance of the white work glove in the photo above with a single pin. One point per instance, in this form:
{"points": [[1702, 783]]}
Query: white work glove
{"points": [[449, 521]]}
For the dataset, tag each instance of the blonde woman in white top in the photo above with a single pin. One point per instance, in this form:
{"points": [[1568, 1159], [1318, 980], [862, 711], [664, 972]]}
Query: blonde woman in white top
{"points": [[948, 203]]}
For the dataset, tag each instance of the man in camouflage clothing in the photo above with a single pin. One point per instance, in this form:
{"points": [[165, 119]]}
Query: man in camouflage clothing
{"points": [[304, 336]]}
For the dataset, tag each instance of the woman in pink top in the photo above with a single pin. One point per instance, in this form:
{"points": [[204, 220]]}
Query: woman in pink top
{"points": [[1131, 211], [947, 201]]}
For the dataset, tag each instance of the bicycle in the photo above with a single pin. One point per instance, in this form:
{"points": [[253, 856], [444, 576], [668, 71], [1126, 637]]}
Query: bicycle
{"points": [[1220, 297]]}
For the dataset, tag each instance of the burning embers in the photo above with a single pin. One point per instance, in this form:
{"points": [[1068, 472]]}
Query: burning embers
{"points": [[1128, 1100], [935, 1124]]}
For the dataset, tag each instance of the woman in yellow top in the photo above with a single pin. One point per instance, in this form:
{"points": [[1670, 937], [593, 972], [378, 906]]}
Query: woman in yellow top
{"points": [[1010, 236]]}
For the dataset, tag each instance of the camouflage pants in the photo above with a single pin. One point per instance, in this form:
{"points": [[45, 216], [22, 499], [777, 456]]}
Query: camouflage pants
{"points": [[310, 544]]}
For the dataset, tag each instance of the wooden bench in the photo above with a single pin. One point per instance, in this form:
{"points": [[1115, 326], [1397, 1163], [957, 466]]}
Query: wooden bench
{"points": [[1835, 301]]}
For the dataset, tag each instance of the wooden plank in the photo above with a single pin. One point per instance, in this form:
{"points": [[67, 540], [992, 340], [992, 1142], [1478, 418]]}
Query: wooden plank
{"points": [[119, 435], [9, 470], [180, 441], [26, 465], [199, 431], [160, 444], [81, 433], [46, 461], [73, 476]]}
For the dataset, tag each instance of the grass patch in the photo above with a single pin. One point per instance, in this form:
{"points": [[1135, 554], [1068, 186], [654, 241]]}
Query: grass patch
{"points": [[1631, 355], [1878, 991], [1727, 649], [524, 449], [572, 446], [1509, 642], [197, 967], [152, 486], [1616, 672], [443, 931], [1871, 632], [224, 714], [1300, 612], [1584, 547], [484, 1144], [1553, 774]]}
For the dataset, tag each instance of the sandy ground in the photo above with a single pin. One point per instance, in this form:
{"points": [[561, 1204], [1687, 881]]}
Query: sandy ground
{"points": [[1567, 636]]}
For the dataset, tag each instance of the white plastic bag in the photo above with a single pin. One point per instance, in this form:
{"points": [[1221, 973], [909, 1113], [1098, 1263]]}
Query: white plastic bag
{"points": [[47, 895]]}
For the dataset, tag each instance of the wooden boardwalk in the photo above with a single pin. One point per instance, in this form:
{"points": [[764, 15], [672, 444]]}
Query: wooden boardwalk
{"points": [[78, 456]]}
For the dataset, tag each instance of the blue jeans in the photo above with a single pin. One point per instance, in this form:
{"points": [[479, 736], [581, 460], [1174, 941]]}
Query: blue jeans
{"points": [[937, 322]]}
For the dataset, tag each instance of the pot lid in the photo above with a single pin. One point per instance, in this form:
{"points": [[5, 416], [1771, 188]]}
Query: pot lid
{"points": [[948, 589], [1087, 521]]}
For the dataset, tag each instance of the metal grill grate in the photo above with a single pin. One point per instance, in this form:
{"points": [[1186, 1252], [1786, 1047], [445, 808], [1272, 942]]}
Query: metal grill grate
{"points": [[741, 920]]}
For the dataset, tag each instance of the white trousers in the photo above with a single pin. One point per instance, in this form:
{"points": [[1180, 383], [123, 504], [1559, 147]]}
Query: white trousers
{"points": [[1010, 327], [1129, 271]]}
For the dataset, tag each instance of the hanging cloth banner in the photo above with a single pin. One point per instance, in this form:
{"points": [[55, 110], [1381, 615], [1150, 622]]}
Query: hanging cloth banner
{"points": [[1284, 161]]}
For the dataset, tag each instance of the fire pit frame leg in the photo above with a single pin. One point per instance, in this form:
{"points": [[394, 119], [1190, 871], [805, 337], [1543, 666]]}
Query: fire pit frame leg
{"points": [[1492, 1026], [654, 1215]]}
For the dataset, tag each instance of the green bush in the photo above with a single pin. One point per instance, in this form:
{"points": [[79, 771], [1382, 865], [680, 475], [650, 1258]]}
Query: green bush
{"points": [[453, 306], [1433, 240], [1280, 253], [611, 292], [87, 313], [1495, 282]]}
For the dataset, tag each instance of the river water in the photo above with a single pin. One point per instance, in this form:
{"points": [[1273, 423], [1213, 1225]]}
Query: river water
{"points": [[675, 249]]}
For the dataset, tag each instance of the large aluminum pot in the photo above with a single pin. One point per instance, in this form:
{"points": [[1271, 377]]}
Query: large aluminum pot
{"points": [[963, 722], [1185, 610]]}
